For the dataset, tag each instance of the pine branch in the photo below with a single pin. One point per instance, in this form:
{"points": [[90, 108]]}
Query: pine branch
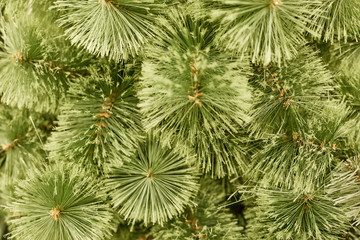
{"points": [[125, 232], [345, 188], [152, 94], [349, 87], [24, 70], [206, 221], [304, 159], [154, 187], [20, 149], [285, 215], [60, 203], [99, 123], [352, 138], [191, 93], [286, 97], [270, 30], [341, 20], [117, 29], [349, 54]]}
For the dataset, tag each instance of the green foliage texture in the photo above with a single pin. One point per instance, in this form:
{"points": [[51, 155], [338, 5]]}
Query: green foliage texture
{"points": [[180, 119]]}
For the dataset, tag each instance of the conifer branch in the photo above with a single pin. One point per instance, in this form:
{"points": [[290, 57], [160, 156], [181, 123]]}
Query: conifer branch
{"points": [[345, 188], [285, 97], [306, 215], [24, 69], [64, 202], [271, 30], [154, 187], [293, 161], [340, 21], [99, 123], [20, 148], [205, 221], [193, 94], [117, 29]]}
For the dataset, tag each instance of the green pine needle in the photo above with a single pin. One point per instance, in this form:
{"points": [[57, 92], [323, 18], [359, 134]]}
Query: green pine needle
{"points": [[151, 100], [61, 203], [303, 160], [27, 78], [349, 54], [206, 221], [194, 95], [341, 20], [99, 123], [285, 215], [20, 149], [154, 187], [352, 136], [286, 97], [349, 88], [271, 30], [345, 188], [117, 29]]}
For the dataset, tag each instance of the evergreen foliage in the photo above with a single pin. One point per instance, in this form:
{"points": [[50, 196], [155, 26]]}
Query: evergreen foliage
{"points": [[125, 232], [25, 69], [345, 188], [20, 149], [64, 205], [271, 30], [181, 119], [192, 93], [301, 156], [286, 97], [205, 221], [155, 186], [341, 20], [350, 56], [99, 122], [286, 214], [117, 29]]}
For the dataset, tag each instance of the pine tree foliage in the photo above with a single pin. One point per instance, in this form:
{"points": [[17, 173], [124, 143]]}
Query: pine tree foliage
{"points": [[352, 138], [345, 188], [350, 58], [301, 156], [271, 30], [341, 20], [192, 93], [34, 57], [353, 233], [117, 29], [2, 226], [24, 68], [155, 186], [342, 58], [349, 88], [61, 203], [20, 146], [125, 232], [99, 122], [205, 221], [139, 119], [285, 97], [285, 214]]}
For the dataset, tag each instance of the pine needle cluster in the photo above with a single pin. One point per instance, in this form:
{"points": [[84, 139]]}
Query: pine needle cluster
{"points": [[155, 186], [191, 93], [116, 29], [208, 220], [64, 205], [100, 118]]}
